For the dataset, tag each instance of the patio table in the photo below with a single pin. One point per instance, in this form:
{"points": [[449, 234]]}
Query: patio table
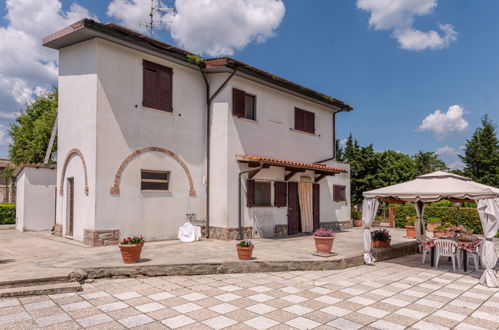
{"points": [[465, 246]]}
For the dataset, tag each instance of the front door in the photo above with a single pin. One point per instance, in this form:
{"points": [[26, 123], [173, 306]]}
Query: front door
{"points": [[70, 211], [293, 209]]}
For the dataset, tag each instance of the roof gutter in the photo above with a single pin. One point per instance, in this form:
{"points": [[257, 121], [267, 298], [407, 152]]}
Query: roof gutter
{"points": [[209, 101]]}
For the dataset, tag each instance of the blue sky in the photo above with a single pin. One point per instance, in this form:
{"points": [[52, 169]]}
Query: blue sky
{"points": [[355, 51]]}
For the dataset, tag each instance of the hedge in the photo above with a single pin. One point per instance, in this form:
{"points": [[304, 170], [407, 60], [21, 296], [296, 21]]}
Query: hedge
{"points": [[468, 217], [7, 214]]}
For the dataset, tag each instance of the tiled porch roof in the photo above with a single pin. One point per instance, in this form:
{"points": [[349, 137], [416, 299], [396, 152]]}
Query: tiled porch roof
{"points": [[290, 164]]}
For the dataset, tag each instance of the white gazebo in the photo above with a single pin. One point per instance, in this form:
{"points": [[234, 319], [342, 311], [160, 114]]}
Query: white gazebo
{"points": [[434, 187]]}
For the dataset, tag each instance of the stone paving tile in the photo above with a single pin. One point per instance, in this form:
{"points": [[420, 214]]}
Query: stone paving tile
{"points": [[396, 294]]}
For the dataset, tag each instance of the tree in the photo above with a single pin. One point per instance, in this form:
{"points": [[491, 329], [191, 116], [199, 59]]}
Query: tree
{"points": [[31, 131], [394, 167], [481, 154], [428, 162]]}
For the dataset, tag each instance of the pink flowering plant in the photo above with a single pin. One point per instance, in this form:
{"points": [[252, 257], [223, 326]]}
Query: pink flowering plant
{"points": [[321, 232], [245, 243], [135, 240]]}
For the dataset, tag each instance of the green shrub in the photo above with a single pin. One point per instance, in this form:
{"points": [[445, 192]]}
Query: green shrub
{"points": [[468, 216], [7, 214], [356, 214]]}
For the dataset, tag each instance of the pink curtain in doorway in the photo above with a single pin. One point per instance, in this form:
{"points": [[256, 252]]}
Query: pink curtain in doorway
{"points": [[306, 207]]}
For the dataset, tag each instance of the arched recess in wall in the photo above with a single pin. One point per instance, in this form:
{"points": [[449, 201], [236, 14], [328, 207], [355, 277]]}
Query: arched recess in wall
{"points": [[71, 153], [115, 189]]}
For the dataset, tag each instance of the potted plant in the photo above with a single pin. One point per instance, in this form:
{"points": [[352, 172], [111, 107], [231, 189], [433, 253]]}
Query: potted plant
{"points": [[381, 238], [409, 227], [323, 240], [356, 218], [130, 248], [245, 249], [433, 223], [439, 231]]}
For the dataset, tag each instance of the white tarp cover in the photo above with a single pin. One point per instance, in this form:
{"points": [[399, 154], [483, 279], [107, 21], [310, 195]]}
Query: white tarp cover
{"points": [[369, 209], [189, 233], [434, 187], [420, 229], [488, 209]]}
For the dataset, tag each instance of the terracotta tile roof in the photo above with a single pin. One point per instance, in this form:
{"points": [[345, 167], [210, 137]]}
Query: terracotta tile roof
{"points": [[292, 164], [87, 28]]}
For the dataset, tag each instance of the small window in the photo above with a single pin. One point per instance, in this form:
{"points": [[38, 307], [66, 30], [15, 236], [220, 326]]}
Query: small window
{"points": [[339, 193], [243, 104], [304, 121], [154, 180], [263, 193]]}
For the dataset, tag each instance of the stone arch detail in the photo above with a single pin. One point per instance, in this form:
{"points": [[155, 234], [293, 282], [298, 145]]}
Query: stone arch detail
{"points": [[115, 189], [71, 153]]}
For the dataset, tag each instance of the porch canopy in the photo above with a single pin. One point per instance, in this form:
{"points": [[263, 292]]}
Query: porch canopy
{"points": [[434, 187], [291, 167]]}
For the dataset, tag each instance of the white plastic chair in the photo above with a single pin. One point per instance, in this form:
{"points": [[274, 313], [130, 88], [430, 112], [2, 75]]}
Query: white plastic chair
{"points": [[424, 252], [447, 248], [476, 256]]}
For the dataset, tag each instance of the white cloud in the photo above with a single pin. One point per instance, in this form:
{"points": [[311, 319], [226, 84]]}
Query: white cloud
{"points": [[443, 123], [27, 69], [4, 136], [398, 16], [208, 27], [342, 142], [456, 165], [446, 150]]}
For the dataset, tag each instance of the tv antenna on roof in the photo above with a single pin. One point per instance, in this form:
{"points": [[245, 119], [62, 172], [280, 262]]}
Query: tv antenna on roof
{"points": [[153, 23]]}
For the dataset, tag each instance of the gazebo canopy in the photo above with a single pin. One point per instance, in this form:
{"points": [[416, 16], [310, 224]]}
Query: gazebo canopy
{"points": [[434, 187]]}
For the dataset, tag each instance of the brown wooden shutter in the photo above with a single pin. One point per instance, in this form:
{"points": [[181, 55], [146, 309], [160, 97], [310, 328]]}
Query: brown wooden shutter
{"points": [[149, 89], [310, 126], [250, 193], [237, 102], [165, 89], [280, 194], [293, 208], [299, 119], [316, 189], [336, 193]]}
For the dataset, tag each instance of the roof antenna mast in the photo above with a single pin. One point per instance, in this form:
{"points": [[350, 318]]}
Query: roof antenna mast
{"points": [[154, 23]]}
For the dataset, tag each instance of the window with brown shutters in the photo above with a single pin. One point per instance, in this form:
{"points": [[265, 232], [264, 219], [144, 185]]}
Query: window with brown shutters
{"points": [[157, 86], [304, 121], [280, 194], [339, 193], [243, 104], [258, 193]]}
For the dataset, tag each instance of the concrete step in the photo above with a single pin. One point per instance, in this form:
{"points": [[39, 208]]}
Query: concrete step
{"points": [[30, 281], [33, 290]]}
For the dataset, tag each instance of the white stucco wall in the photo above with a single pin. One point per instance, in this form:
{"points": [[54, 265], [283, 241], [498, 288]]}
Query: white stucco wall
{"points": [[271, 135], [124, 126], [77, 130], [36, 199]]}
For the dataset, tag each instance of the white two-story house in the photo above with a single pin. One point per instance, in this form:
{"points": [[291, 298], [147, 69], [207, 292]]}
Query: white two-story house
{"points": [[151, 136]]}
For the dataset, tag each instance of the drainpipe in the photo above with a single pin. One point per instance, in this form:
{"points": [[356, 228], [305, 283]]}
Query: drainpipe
{"points": [[209, 101], [240, 224]]}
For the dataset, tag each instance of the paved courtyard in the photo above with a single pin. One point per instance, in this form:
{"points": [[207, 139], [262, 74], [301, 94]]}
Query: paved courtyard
{"points": [[29, 255], [395, 294]]}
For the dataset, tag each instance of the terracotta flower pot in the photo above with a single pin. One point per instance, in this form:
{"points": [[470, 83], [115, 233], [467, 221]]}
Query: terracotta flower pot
{"points": [[131, 253], [323, 244], [381, 244], [410, 231], [430, 226], [244, 252], [357, 223], [439, 233]]}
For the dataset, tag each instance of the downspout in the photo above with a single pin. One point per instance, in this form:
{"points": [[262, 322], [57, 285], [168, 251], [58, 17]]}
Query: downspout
{"points": [[240, 220], [209, 101], [333, 157]]}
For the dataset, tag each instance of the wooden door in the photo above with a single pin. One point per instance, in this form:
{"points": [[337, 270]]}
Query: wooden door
{"points": [[293, 209], [71, 193], [316, 189]]}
